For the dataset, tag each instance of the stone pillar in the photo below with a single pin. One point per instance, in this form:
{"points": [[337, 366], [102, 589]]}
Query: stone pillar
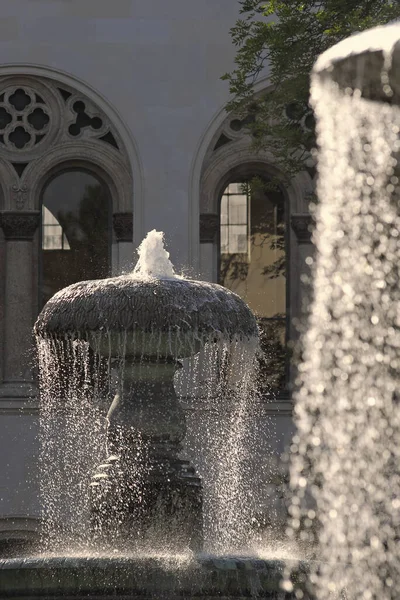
{"points": [[209, 229], [19, 228], [123, 229]]}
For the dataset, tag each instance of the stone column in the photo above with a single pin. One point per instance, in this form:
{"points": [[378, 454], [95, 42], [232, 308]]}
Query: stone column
{"points": [[209, 228], [19, 228], [123, 228]]}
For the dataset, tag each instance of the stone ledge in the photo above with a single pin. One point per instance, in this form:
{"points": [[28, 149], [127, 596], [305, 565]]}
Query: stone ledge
{"points": [[18, 398], [148, 577]]}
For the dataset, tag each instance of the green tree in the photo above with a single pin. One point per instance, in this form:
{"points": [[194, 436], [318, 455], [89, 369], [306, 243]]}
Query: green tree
{"points": [[289, 35]]}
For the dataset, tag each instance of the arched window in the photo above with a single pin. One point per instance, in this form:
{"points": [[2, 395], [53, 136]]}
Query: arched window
{"points": [[76, 231], [253, 264]]}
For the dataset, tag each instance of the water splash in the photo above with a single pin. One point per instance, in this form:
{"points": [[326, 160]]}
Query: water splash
{"points": [[346, 453], [153, 258]]}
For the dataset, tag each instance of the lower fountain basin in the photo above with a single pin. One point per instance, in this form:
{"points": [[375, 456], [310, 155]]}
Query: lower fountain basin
{"points": [[170, 578]]}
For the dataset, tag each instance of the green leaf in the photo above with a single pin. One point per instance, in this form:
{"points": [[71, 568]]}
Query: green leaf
{"points": [[290, 35]]}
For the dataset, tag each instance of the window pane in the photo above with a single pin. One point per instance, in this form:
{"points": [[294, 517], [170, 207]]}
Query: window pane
{"points": [[224, 239], [66, 245], [51, 241], [234, 217], [54, 230], [52, 234], [238, 209], [48, 217], [238, 239], [224, 210], [75, 231], [264, 287], [253, 262], [235, 188]]}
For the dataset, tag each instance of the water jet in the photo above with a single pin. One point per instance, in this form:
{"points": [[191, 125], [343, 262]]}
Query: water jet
{"points": [[347, 415]]}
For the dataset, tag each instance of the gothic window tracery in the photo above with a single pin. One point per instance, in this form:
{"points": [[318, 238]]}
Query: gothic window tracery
{"points": [[234, 128], [24, 118], [63, 159], [36, 115]]}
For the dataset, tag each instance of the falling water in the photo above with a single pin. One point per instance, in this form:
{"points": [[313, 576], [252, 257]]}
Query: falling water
{"points": [[230, 449], [72, 424], [153, 258], [346, 453], [78, 383]]}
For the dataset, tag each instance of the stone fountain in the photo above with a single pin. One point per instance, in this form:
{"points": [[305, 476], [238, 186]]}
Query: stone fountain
{"points": [[144, 496], [145, 532]]}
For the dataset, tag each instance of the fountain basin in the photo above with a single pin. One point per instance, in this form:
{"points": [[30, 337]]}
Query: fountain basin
{"points": [[147, 577], [133, 316]]}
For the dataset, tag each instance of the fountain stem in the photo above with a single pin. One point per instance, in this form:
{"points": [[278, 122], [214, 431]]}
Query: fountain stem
{"points": [[144, 494]]}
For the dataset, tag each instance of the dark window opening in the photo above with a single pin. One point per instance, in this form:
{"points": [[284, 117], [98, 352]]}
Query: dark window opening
{"points": [[76, 231]]}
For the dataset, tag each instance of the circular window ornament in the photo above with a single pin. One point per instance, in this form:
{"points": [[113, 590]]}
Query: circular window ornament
{"points": [[84, 119], [29, 117]]}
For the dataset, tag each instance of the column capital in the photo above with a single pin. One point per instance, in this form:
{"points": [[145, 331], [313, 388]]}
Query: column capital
{"points": [[209, 224], [19, 225], [123, 226], [302, 225]]}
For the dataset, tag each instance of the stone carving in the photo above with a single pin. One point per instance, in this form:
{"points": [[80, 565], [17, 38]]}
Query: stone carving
{"points": [[209, 225], [24, 118], [101, 158], [123, 226], [35, 115], [30, 117], [19, 196], [227, 577], [19, 225], [302, 226], [84, 120], [42, 127]]}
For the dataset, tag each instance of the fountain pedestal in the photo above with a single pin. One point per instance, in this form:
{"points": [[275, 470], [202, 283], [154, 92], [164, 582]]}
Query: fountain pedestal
{"points": [[144, 495]]}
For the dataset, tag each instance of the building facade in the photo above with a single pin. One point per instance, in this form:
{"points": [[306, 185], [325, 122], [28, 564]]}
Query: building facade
{"points": [[112, 123]]}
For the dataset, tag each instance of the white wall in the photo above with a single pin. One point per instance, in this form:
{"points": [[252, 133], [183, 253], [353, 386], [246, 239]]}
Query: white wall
{"points": [[158, 63]]}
